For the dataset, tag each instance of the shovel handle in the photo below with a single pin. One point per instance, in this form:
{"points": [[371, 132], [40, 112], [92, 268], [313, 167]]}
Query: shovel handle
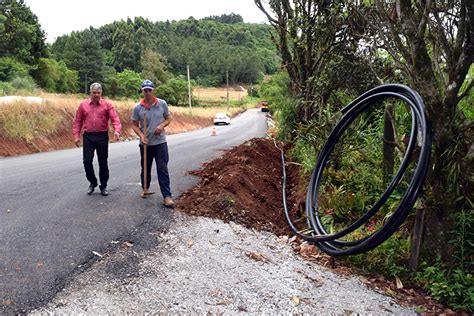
{"points": [[145, 188]]}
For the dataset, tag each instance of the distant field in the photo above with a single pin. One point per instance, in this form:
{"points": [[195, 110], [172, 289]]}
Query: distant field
{"points": [[71, 102], [30, 117], [219, 94], [42, 122]]}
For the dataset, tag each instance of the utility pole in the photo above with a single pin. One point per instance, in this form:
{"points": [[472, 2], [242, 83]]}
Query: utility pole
{"points": [[227, 82], [85, 85], [199, 89], [189, 89]]}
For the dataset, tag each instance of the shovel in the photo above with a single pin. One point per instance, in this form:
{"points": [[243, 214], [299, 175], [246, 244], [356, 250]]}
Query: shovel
{"points": [[145, 192]]}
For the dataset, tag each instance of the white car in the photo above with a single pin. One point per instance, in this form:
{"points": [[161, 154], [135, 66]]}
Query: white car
{"points": [[221, 118]]}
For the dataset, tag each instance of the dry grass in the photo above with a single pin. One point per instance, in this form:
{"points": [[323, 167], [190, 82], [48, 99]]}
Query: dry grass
{"points": [[204, 112], [23, 120], [210, 93], [20, 121]]}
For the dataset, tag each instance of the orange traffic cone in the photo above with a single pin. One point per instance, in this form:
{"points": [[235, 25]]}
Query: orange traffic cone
{"points": [[214, 131]]}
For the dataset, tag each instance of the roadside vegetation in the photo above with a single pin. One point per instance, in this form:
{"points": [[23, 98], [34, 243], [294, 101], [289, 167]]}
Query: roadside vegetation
{"points": [[341, 62], [21, 120]]}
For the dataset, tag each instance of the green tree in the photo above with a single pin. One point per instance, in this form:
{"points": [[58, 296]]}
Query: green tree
{"points": [[174, 91], [20, 34], [128, 45], [226, 18], [54, 76], [308, 35], [432, 44], [153, 67], [128, 83], [11, 68], [82, 52]]}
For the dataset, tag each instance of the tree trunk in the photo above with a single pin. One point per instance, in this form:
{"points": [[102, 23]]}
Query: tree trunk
{"points": [[443, 182]]}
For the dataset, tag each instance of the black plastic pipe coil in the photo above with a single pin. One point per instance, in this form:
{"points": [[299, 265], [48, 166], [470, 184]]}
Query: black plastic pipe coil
{"points": [[420, 129]]}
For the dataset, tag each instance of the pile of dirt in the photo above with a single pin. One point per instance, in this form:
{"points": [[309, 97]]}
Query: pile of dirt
{"points": [[244, 186]]}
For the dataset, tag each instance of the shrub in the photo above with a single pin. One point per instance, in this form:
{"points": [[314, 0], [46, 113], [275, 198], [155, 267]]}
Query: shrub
{"points": [[454, 288], [23, 83], [6, 88], [128, 83], [11, 68]]}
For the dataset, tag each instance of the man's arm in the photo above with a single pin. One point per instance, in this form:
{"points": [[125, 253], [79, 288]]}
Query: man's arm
{"points": [[77, 125], [161, 127], [115, 119], [138, 131]]}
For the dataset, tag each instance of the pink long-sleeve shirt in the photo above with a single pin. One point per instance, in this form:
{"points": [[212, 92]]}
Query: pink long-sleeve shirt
{"points": [[95, 117]]}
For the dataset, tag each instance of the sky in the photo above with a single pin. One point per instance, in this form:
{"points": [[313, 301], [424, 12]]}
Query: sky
{"points": [[59, 17]]}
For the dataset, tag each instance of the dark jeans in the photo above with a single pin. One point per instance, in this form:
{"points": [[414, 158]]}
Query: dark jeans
{"points": [[96, 142], [160, 154]]}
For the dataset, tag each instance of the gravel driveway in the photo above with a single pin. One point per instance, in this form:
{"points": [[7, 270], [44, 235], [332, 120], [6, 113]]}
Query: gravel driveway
{"points": [[204, 265]]}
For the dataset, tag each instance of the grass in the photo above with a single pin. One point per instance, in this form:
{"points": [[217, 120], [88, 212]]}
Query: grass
{"points": [[25, 121], [20, 121], [220, 94]]}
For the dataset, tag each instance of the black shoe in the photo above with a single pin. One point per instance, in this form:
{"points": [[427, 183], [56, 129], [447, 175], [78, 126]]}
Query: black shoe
{"points": [[104, 192], [91, 189]]}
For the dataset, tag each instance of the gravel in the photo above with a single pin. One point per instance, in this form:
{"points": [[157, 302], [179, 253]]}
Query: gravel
{"points": [[203, 265]]}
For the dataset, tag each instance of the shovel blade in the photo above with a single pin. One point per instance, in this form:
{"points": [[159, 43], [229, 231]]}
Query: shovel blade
{"points": [[145, 194]]}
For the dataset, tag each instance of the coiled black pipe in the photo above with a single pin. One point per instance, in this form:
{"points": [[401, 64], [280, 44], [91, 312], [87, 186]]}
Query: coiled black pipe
{"points": [[330, 243]]}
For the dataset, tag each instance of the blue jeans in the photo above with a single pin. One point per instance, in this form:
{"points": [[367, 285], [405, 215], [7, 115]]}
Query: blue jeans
{"points": [[160, 154]]}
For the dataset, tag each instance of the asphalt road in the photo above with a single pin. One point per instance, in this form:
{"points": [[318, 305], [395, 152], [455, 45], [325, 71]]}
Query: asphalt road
{"points": [[50, 228]]}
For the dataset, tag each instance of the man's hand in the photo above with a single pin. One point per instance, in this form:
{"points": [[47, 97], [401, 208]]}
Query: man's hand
{"points": [[77, 141], [117, 136], [159, 129], [144, 139]]}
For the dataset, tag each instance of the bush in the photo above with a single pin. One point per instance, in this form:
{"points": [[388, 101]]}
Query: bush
{"points": [[128, 83], [54, 76], [174, 91], [23, 83], [6, 88], [208, 81], [387, 259], [11, 68], [454, 288], [165, 92]]}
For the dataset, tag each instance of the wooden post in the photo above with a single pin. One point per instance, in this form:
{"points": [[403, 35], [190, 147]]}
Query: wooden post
{"points": [[189, 88], [227, 82], [416, 239]]}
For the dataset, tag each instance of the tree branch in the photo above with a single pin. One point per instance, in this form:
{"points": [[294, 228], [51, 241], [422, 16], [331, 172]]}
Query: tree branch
{"points": [[424, 19], [259, 5], [466, 92]]}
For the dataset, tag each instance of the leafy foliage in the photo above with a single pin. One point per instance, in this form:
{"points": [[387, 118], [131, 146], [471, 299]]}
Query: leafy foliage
{"points": [[208, 46], [21, 36], [454, 288], [128, 83], [174, 91], [54, 76], [10, 67]]}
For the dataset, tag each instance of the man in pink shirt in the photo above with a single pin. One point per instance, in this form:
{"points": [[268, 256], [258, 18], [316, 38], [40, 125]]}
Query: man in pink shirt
{"points": [[93, 116]]}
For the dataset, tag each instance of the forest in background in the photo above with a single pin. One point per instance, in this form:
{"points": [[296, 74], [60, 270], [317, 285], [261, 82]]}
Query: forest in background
{"points": [[217, 49]]}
